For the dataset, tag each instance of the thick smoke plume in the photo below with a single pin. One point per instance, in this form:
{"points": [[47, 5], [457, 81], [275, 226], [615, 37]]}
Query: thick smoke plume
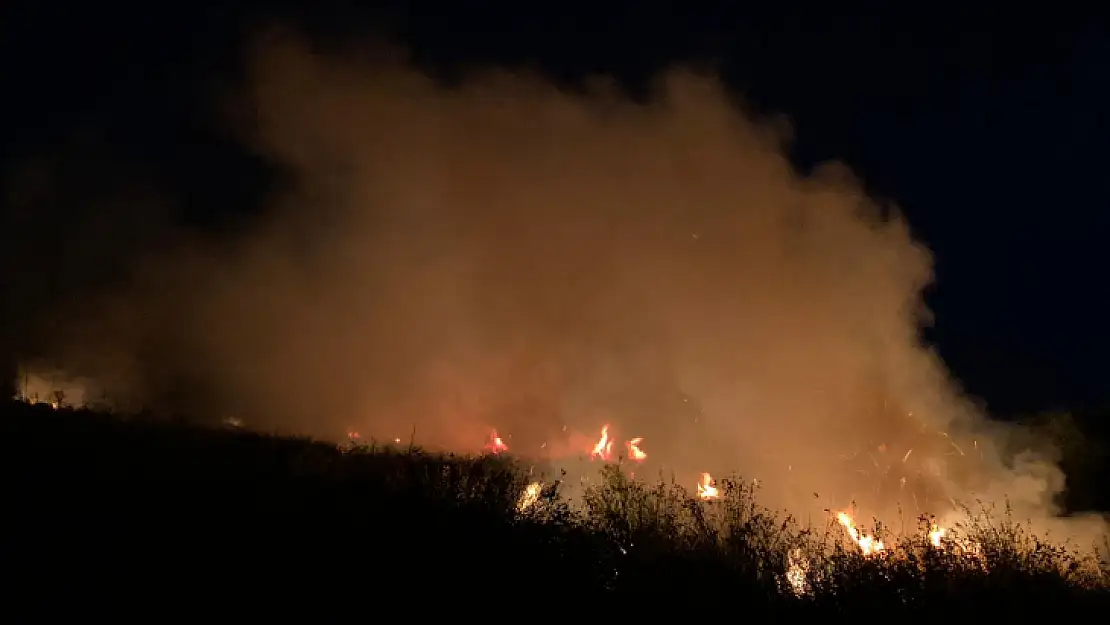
{"points": [[503, 254]]}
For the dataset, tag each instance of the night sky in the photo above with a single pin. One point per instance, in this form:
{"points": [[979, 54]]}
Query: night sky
{"points": [[988, 131]]}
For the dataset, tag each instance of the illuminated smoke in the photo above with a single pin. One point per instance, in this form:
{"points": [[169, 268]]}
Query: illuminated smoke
{"points": [[507, 255]]}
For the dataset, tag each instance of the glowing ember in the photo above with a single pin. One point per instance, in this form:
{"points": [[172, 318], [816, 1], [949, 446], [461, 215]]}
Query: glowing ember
{"points": [[353, 435], [706, 489], [869, 545], [604, 447], [529, 497], [495, 444], [796, 572], [634, 451]]}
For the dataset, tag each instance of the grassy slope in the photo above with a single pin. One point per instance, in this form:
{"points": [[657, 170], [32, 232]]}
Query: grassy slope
{"points": [[141, 512]]}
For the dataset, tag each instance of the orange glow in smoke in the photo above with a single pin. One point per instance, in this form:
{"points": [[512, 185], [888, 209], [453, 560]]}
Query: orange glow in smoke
{"points": [[495, 444], [634, 451]]}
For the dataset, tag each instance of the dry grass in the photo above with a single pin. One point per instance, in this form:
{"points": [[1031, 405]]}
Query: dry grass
{"points": [[257, 504]]}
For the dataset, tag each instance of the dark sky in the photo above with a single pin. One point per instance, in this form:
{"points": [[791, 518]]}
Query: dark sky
{"points": [[988, 130]]}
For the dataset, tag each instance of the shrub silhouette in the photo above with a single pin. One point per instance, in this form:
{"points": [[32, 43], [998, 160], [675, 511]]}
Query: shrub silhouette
{"points": [[96, 506]]}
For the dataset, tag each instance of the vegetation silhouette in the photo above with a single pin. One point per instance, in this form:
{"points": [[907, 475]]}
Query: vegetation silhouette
{"points": [[109, 508]]}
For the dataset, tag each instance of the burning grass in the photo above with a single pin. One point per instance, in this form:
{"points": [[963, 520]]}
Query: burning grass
{"points": [[87, 489]]}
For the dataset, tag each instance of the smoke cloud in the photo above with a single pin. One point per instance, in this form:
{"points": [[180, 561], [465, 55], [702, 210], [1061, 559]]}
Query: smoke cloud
{"points": [[503, 254]]}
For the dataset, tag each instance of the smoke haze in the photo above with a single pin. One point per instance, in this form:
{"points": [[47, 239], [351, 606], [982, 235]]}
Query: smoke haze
{"points": [[503, 254]]}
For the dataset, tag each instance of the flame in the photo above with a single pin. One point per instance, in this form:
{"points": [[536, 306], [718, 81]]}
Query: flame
{"points": [[604, 447], [940, 538], [706, 489], [35, 401], [495, 444], [529, 497], [634, 451], [936, 533], [796, 570], [869, 545]]}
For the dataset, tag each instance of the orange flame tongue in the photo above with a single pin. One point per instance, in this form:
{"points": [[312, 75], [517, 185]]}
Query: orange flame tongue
{"points": [[495, 444], [869, 545], [936, 533], [604, 447], [634, 451], [706, 489]]}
